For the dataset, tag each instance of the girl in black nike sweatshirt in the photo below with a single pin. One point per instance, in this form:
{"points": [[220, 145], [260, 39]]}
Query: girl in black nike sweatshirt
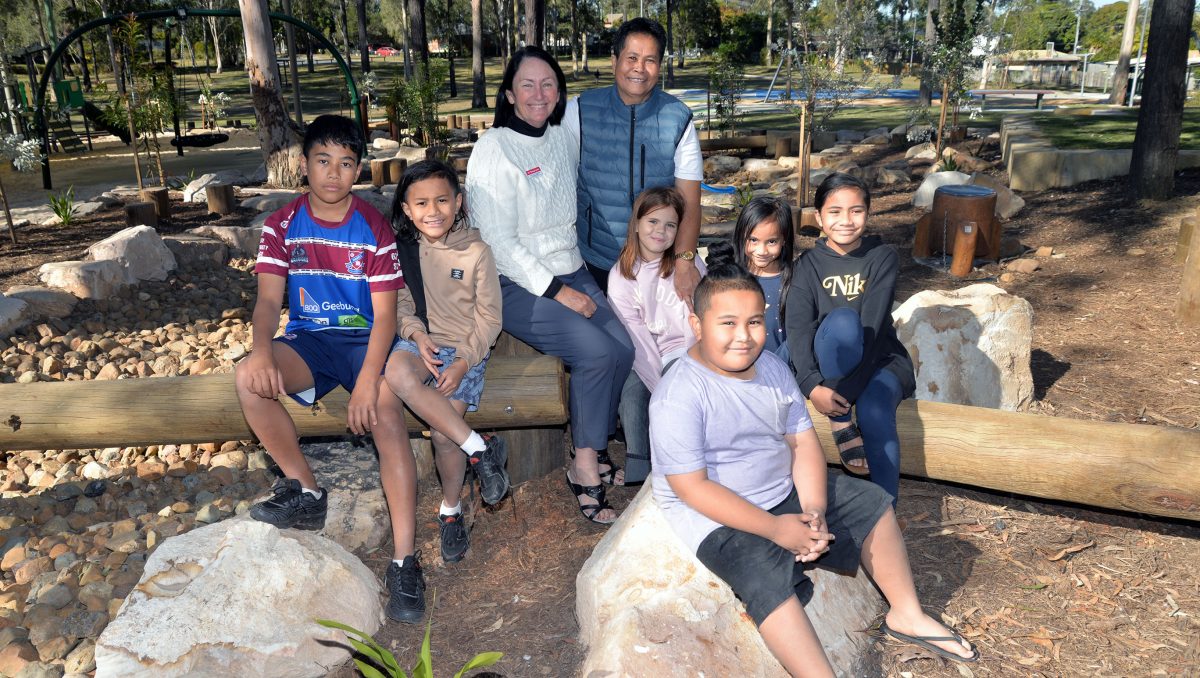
{"points": [[843, 346]]}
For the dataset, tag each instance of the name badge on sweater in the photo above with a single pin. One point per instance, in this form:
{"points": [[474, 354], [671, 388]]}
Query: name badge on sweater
{"points": [[456, 274], [533, 172]]}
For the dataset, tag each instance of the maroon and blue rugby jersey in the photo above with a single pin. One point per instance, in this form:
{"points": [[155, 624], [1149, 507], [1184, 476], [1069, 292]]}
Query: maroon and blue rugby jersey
{"points": [[332, 268]]}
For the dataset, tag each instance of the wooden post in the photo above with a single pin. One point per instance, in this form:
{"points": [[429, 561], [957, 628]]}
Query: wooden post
{"points": [[393, 169], [1188, 308], [220, 198], [952, 207], [141, 214], [378, 173], [1187, 230], [964, 249], [532, 452], [783, 147], [161, 199]]}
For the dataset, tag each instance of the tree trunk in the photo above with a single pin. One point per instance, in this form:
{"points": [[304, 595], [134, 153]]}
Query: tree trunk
{"points": [[216, 41], [770, 31], [1120, 81], [345, 15], [670, 43], [364, 54], [574, 38], [278, 136], [289, 33], [1160, 118], [925, 95], [478, 81], [450, 47], [9, 85], [535, 22], [416, 30]]}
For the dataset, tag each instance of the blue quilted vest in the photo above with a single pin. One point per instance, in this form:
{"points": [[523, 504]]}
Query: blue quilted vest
{"points": [[622, 151]]}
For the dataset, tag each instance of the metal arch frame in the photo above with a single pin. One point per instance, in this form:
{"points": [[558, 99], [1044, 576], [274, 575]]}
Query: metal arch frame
{"points": [[176, 13]]}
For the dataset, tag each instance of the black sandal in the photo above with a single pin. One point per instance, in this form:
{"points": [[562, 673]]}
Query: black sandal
{"points": [[602, 459], [596, 492], [854, 453]]}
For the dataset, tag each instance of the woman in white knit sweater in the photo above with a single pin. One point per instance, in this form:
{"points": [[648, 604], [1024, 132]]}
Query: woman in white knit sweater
{"points": [[521, 196]]}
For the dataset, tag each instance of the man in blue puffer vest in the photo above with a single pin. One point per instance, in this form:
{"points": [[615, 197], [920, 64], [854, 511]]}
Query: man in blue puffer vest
{"points": [[634, 136]]}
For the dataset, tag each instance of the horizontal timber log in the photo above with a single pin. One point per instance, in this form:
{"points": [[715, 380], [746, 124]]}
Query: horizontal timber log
{"points": [[1128, 467], [521, 392], [734, 143]]}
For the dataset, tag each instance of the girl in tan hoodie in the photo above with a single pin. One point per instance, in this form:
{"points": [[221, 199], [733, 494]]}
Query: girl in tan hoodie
{"points": [[448, 317]]}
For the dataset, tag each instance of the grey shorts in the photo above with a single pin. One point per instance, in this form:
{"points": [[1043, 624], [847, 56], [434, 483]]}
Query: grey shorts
{"points": [[763, 574], [470, 389]]}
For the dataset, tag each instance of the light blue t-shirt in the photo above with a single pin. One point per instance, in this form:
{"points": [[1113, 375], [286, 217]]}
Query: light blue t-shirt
{"points": [[731, 428]]}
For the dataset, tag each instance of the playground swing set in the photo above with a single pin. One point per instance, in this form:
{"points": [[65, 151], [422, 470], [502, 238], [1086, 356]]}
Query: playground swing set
{"points": [[68, 94]]}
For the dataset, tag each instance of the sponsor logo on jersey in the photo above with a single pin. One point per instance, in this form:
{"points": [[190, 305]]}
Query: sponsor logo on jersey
{"points": [[299, 256], [352, 321], [307, 303], [356, 263]]}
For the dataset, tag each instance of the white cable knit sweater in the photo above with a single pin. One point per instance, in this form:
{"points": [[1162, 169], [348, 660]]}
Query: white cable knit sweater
{"points": [[521, 197]]}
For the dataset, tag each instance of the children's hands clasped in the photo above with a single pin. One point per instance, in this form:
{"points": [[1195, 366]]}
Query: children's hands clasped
{"points": [[828, 402], [804, 534], [576, 301], [428, 352]]}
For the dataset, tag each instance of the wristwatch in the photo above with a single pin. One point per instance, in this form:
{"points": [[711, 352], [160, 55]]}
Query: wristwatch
{"points": [[686, 255]]}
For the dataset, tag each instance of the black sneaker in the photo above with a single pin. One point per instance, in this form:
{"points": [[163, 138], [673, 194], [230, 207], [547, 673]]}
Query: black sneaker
{"points": [[489, 468], [291, 506], [454, 537], [406, 591]]}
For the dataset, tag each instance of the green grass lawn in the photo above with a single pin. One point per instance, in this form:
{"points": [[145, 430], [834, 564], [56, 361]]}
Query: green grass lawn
{"points": [[1106, 132]]}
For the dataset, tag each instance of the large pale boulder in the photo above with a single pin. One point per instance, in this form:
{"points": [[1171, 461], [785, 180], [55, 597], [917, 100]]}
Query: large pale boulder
{"points": [[12, 314], [375, 199], [242, 240], [970, 346], [84, 279], [269, 202], [1007, 202], [647, 607], [140, 252], [922, 151], [411, 154], [721, 165], [240, 597], [43, 301], [923, 197], [194, 191], [191, 250]]}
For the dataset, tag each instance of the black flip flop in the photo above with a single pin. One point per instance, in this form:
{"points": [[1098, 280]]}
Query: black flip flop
{"points": [[926, 643], [854, 453]]}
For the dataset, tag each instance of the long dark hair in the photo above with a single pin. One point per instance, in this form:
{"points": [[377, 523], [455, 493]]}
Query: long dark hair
{"points": [[405, 229], [505, 111], [761, 209], [724, 274]]}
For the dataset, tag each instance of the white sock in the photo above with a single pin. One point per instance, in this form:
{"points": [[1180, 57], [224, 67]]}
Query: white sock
{"points": [[474, 443], [316, 494], [400, 562], [450, 510]]}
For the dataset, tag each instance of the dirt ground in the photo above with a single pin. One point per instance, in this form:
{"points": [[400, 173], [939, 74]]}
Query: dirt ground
{"points": [[1043, 589]]}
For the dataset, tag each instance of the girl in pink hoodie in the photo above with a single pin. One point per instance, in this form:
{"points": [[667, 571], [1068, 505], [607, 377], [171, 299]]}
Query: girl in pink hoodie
{"points": [[641, 290]]}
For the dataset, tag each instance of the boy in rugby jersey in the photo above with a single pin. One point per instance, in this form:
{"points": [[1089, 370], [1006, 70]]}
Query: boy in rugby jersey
{"points": [[335, 258]]}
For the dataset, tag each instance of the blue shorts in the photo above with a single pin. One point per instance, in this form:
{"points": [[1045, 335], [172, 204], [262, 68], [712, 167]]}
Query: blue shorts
{"points": [[470, 389], [334, 357]]}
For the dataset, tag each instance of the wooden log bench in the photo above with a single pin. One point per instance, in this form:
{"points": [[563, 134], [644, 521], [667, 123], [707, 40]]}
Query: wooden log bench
{"points": [[525, 396], [1153, 470], [983, 94]]}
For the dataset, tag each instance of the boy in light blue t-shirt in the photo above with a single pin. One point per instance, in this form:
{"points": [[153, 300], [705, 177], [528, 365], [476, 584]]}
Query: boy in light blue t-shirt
{"points": [[741, 477]]}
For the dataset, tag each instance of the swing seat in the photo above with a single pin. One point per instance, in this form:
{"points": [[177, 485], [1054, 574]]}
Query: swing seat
{"points": [[201, 140]]}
